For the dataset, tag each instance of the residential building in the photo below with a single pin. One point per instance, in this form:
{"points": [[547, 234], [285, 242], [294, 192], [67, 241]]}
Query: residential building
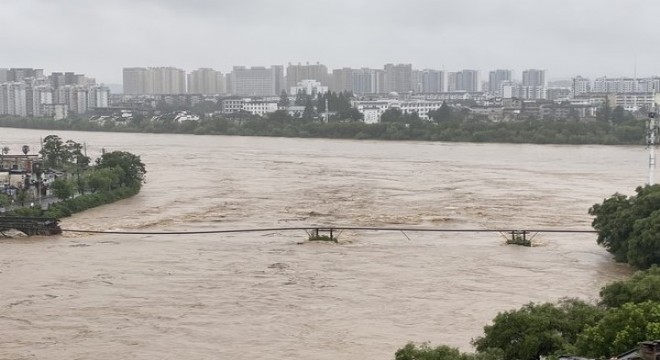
{"points": [[98, 97], [13, 99], [168, 80], [55, 111], [153, 81], [279, 78], [205, 81], [368, 81], [342, 80], [297, 73], [533, 85], [495, 80], [432, 81], [36, 97], [20, 74], [581, 86], [465, 80], [398, 78], [254, 81], [636, 101], [136, 81]]}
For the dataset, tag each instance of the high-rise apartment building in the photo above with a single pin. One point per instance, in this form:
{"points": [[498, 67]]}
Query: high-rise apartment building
{"points": [[98, 97], [36, 97], [20, 74], [368, 81], [297, 73], [533, 77], [154, 81], [12, 99], [168, 80], [465, 80], [342, 80], [533, 85], [398, 78], [432, 81], [280, 79], [205, 81], [74, 96], [254, 81], [495, 80], [136, 81]]}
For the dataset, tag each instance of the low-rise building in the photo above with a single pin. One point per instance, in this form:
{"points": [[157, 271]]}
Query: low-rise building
{"points": [[373, 109]]}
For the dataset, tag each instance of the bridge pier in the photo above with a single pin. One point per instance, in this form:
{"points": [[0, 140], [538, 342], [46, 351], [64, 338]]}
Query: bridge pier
{"points": [[30, 226]]}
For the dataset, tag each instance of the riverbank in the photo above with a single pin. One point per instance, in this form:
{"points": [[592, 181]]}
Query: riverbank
{"points": [[526, 131]]}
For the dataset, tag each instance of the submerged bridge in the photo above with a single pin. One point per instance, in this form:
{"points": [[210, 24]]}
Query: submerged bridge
{"points": [[50, 226], [30, 225]]}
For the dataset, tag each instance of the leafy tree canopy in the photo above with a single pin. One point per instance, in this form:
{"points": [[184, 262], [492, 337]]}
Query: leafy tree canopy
{"points": [[621, 329], [133, 169], [642, 286], [629, 227], [537, 330]]}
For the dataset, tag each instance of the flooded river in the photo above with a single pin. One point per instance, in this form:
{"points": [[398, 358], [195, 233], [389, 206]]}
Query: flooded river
{"points": [[264, 295]]}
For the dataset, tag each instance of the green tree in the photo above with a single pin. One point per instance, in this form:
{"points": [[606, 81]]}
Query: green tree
{"points": [[53, 151], [443, 114], [620, 329], [391, 115], [537, 330], [642, 286], [352, 114], [308, 113], [63, 189], [284, 100], [133, 169], [22, 196], [102, 180], [627, 226], [619, 115], [604, 114], [443, 352]]}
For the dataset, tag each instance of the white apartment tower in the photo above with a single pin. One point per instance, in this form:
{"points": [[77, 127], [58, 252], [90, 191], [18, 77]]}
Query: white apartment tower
{"points": [[254, 81], [154, 81], [205, 81], [12, 99]]}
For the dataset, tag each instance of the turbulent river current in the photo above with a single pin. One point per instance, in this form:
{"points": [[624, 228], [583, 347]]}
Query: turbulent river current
{"points": [[272, 295]]}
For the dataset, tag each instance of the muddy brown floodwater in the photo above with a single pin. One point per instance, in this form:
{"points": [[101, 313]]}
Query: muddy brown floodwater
{"points": [[264, 296]]}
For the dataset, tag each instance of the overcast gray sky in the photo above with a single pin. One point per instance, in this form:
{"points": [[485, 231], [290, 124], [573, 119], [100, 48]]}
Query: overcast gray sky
{"points": [[566, 37]]}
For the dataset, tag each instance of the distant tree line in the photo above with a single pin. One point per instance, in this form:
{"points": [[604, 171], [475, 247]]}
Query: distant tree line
{"points": [[452, 124]]}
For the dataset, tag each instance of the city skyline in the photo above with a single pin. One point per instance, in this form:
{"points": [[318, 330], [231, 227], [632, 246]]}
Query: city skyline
{"points": [[565, 37]]}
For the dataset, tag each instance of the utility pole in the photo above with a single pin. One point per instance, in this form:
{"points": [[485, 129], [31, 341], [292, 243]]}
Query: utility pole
{"points": [[652, 138]]}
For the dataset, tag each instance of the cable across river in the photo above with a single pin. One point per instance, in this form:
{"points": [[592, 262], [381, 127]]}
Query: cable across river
{"points": [[324, 228]]}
